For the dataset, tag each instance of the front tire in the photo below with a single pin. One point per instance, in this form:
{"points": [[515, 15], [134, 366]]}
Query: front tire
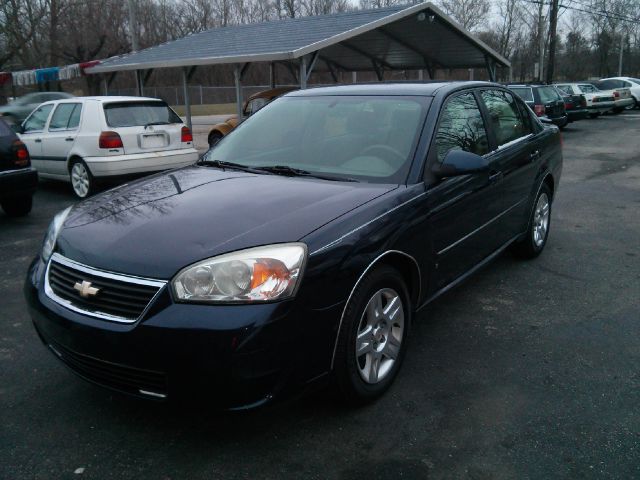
{"points": [[372, 336], [17, 206], [82, 181], [538, 227]]}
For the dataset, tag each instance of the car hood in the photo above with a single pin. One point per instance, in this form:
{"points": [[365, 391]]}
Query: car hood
{"points": [[158, 225]]}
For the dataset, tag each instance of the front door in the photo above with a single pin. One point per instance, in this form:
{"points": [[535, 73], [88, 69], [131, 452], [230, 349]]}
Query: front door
{"points": [[33, 130], [463, 209], [61, 134]]}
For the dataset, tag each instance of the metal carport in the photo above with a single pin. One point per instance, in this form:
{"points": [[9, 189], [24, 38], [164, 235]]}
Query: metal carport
{"points": [[395, 38]]}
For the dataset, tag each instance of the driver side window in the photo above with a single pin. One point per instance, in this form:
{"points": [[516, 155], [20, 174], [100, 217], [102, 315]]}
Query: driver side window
{"points": [[461, 127], [37, 119]]}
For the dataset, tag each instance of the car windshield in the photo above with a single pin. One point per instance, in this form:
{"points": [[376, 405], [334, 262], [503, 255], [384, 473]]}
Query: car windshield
{"points": [[368, 138], [139, 114]]}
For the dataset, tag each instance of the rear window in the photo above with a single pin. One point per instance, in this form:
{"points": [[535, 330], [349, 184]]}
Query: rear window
{"points": [[5, 131], [139, 114], [609, 84], [524, 93], [587, 88], [548, 94], [565, 88]]}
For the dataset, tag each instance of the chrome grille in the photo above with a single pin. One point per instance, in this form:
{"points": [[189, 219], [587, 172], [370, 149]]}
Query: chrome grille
{"points": [[119, 298]]}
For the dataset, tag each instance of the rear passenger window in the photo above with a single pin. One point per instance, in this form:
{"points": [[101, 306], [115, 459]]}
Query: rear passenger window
{"points": [[504, 116], [74, 120], [61, 116], [461, 127]]}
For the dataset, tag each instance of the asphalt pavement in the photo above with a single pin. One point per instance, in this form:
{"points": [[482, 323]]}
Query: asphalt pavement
{"points": [[529, 370]]}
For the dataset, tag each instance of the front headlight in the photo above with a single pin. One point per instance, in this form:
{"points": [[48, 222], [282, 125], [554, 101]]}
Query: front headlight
{"points": [[260, 274], [52, 234]]}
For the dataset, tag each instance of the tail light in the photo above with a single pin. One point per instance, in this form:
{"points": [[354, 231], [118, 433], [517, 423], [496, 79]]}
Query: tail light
{"points": [[110, 140], [616, 94], [186, 135], [21, 153], [568, 106], [538, 110]]}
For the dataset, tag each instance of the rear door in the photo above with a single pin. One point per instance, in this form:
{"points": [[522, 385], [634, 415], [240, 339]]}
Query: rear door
{"points": [[60, 137], [33, 131], [517, 153], [144, 126], [463, 208]]}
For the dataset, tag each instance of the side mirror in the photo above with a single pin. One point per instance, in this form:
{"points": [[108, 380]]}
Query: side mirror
{"points": [[17, 127], [459, 162]]}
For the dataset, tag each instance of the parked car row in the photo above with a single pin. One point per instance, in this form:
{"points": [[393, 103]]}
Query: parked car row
{"points": [[563, 103]]}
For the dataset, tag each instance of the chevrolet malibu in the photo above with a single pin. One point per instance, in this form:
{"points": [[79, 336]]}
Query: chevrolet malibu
{"points": [[300, 248]]}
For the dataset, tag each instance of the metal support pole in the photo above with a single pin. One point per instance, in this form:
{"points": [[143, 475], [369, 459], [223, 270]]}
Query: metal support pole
{"points": [[620, 57], [105, 86], [354, 77], [272, 75], [303, 73], [237, 79], [187, 100], [420, 75], [139, 86]]}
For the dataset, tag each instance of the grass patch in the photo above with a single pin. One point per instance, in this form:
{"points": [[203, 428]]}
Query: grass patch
{"points": [[207, 109]]}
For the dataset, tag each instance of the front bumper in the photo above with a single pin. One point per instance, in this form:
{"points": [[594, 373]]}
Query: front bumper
{"points": [[111, 166], [234, 356], [19, 182]]}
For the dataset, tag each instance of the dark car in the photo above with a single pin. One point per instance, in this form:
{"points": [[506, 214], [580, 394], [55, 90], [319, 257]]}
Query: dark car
{"points": [[575, 105], [18, 180], [19, 109], [545, 101], [298, 249]]}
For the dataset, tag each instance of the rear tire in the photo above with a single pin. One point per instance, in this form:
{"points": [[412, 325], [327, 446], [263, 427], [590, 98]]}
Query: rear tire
{"points": [[594, 115], [82, 181], [373, 336], [538, 227], [17, 206], [214, 138]]}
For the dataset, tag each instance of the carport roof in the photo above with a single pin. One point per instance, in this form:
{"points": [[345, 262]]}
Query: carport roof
{"points": [[398, 37]]}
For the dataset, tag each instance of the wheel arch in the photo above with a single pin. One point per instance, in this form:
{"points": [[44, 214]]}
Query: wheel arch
{"points": [[72, 157], [409, 270]]}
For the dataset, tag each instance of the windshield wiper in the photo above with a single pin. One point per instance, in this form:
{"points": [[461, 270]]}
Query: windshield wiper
{"points": [[297, 172], [228, 165]]}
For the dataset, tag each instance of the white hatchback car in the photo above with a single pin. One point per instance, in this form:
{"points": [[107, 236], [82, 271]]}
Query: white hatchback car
{"points": [[85, 139]]}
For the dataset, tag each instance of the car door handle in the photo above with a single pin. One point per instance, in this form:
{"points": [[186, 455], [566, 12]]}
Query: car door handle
{"points": [[495, 176], [37, 140], [68, 139], [533, 156]]}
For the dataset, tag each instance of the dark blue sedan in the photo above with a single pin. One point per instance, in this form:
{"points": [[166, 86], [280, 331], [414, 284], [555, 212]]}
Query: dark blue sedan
{"points": [[300, 247]]}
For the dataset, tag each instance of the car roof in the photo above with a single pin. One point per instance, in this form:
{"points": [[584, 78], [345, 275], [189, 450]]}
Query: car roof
{"points": [[396, 88], [107, 99]]}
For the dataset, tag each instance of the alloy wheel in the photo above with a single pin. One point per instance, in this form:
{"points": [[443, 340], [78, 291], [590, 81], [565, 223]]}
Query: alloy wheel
{"points": [[541, 220], [380, 334], [80, 179]]}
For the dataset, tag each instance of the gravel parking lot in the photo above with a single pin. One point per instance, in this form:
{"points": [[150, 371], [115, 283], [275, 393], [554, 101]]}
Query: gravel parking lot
{"points": [[529, 370]]}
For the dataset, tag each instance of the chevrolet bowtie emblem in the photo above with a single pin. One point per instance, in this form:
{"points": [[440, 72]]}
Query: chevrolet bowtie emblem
{"points": [[85, 289]]}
